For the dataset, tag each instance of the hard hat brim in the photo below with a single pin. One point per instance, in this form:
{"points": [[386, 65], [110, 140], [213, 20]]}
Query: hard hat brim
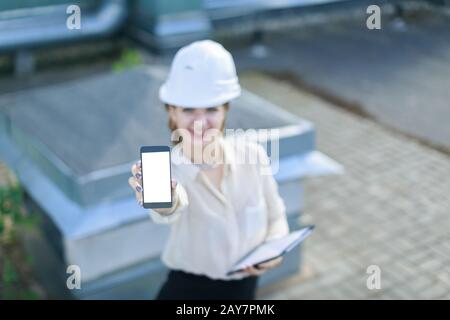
{"points": [[167, 98]]}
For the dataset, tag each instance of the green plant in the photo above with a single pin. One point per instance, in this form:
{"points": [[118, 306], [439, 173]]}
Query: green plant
{"points": [[16, 280], [128, 59]]}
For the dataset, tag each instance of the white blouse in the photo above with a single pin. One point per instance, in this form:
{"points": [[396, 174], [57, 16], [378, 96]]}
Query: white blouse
{"points": [[211, 229]]}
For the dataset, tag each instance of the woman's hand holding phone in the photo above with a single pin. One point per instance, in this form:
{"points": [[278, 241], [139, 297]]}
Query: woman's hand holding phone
{"points": [[135, 182]]}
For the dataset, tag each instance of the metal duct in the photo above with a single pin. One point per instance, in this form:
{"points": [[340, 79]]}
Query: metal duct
{"points": [[18, 31]]}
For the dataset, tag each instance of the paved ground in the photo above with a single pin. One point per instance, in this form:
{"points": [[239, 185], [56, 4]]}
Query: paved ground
{"points": [[407, 61], [391, 208]]}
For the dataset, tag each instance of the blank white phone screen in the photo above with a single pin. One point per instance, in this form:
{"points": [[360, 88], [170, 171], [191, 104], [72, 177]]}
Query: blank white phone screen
{"points": [[156, 177]]}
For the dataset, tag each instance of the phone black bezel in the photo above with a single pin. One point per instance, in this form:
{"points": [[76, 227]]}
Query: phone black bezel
{"points": [[155, 205]]}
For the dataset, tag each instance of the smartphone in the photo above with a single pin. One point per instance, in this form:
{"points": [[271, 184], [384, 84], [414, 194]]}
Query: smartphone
{"points": [[156, 177]]}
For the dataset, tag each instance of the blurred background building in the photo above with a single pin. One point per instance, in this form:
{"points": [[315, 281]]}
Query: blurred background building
{"points": [[75, 103]]}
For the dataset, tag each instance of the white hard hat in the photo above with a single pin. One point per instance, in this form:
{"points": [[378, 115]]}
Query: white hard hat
{"points": [[202, 75]]}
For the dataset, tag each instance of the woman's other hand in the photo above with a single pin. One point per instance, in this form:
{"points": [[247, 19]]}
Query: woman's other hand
{"points": [[263, 267]]}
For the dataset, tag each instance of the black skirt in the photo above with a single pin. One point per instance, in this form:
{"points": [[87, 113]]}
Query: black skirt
{"points": [[181, 285]]}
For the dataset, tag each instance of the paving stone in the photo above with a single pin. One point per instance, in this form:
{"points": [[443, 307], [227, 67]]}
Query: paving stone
{"points": [[378, 212]]}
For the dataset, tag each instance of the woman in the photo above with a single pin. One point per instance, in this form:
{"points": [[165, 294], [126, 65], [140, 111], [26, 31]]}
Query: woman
{"points": [[222, 208]]}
